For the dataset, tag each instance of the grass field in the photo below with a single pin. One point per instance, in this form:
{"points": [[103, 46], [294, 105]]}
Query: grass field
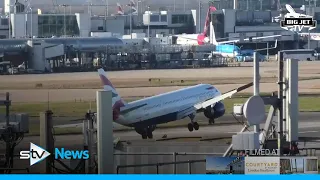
{"points": [[78, 109], [142, 82]]}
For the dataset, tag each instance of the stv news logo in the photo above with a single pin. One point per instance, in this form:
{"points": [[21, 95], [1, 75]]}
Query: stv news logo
{"points": [[37, 154]]}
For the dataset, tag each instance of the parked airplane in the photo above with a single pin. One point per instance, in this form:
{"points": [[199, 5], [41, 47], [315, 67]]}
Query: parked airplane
{"points": [[222, 48], [120, 11], [145, 114]]}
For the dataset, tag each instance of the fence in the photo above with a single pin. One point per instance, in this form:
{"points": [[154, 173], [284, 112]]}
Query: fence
{"points": [[161, 164]]}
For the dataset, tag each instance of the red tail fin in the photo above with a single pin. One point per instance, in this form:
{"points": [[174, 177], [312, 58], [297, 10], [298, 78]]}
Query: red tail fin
{"points": [[119, 9], [206, 24]]}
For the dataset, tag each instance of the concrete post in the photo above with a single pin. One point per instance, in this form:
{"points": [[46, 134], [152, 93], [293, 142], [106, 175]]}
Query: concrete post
{"points": [[46, 140], [256, 82], [105, 132], [292, 100]]}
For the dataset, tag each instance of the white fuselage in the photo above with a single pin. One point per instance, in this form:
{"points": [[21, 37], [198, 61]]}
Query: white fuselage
{"points": [[175, 103], [187, 39], [191, 39]]}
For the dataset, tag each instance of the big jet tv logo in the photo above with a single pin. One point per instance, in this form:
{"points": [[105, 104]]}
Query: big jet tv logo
{"points": [[294, 21], [36, 154]]}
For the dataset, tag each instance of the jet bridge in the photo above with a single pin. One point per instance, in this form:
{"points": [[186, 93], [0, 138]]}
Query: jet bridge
{"points": [[40, 52]]}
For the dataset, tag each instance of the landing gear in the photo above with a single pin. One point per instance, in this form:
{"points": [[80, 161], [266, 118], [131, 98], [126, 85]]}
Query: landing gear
{"points": [[190, 127], [196, 126], [145, 132], [144, 136], [149, 133], [193, 125], [211, 121]]}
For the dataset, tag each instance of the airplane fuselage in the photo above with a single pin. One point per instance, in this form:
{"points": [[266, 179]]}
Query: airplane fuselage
{"points": [[224, 50], [167, 107]]}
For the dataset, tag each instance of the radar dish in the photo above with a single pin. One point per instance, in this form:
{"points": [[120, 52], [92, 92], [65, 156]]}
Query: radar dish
{"points": [[254, 110]]}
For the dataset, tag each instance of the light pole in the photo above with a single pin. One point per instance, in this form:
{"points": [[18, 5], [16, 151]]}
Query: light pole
{"points": [[138, 11], [130, 16], [149, 22], [64, 19], [31, 25], [199, 18], [9, 20], [106, 11]]}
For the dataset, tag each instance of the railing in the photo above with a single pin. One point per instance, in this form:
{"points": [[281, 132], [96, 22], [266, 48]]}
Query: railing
{"points": [[157, 165]]}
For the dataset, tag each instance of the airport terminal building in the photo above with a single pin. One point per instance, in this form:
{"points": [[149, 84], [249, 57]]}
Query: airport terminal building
{"points": [[228, 24]]}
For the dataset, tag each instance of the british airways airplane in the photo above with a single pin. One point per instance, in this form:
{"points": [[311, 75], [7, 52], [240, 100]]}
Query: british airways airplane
{"points": [[145, 114]]}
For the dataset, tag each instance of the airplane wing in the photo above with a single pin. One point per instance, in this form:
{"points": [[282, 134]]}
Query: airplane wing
{"points": [[247, 39], [214, 100]]}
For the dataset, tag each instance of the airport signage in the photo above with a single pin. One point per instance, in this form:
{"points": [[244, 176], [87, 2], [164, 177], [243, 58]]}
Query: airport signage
{"points": [[262, 165], [36, 154]]}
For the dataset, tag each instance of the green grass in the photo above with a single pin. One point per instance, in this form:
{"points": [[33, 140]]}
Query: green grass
{"points": [[78, 109]]}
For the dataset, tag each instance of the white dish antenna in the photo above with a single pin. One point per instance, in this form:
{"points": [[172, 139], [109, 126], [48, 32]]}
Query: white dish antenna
{"points": [[254, 110]]}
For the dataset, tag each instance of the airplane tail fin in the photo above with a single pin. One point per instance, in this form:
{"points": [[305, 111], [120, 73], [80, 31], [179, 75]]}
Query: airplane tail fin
{"points": [[213, 39], [119, 9], [132, 4], [208, 25], [107, 86]]}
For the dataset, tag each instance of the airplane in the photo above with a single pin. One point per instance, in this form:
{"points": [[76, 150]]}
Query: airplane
{"points": [[145, 114], [120, 11], [223, 48], [292, 14]]}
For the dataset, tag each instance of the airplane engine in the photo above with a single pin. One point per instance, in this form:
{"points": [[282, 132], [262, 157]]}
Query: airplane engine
{"points": [[215, 111]]}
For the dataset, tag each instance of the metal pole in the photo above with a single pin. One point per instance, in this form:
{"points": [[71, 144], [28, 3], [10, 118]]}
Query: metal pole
{"points": [[9, 20], [309, 7], [31, 26], [106, 10], [131, 25], [174, 5], [267, 51], [105, 133], [184, 5], [280, 97], [309, 39], [174, 165], [7, 109], [64, 20], [149, 22], [260, 5], [199, 18], [90, 133], [256, 78]]}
